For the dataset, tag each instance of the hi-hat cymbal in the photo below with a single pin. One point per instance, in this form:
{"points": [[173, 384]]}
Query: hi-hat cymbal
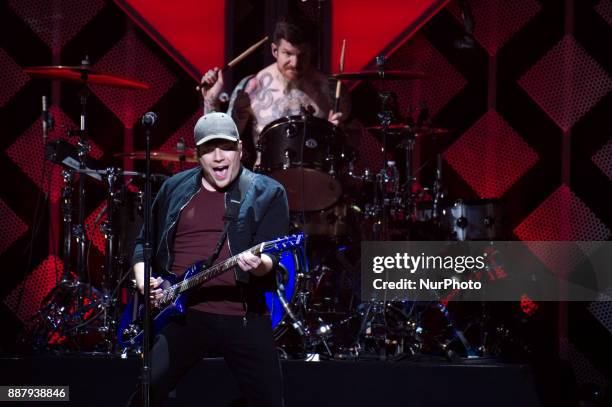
{"points": [[397, 129], [375, 75], [189, 155], [84, 74]]}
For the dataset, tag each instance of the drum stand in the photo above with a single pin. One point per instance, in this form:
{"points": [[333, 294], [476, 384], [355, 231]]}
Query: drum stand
{"points": [[72, 306], [310, 335], [114, 262]]}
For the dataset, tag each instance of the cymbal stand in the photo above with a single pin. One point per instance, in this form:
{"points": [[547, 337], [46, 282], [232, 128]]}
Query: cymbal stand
{"points": [[385, 117], [311, 333], [67, 191], [408, 195], [438, 187], [110, 279], [83, 150]]}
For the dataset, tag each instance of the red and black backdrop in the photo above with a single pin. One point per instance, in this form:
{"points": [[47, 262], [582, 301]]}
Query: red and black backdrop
{"points": [[529, 106]]}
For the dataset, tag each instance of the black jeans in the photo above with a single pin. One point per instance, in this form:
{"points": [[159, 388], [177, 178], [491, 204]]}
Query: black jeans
{"points": [[247, 347]]}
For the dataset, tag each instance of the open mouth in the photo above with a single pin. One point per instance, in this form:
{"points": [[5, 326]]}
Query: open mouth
{"points": [[220, 172]]}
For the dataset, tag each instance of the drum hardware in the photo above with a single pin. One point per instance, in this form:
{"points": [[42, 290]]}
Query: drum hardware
{"points": [[114, 258], [380, 75], [418, 131], [65, 154], [67, 191], [437, 188], [74, 309], [475, 220], [331, 163]]}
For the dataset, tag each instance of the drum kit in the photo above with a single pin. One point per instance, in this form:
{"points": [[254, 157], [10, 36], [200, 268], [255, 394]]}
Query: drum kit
{"points": [[316, 310]]}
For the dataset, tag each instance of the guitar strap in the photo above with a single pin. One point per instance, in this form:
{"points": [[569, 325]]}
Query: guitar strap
{"points": [[232, 209]]}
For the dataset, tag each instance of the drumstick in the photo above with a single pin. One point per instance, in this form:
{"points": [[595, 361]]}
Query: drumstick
{"points": [[239, 58], [339, 84]]}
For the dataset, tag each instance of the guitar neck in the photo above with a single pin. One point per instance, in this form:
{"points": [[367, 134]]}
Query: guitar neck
{"points": [[213, 271]]}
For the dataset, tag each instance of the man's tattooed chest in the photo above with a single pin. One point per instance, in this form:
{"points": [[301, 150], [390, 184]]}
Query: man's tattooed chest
{"points": [[270, 101]]}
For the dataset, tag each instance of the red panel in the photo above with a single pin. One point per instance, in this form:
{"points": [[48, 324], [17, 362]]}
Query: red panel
{"points": [[12, 77], [562, 217], [583, 369], [130, 57], [567, 82], [498, 21], [603, 159], [604, 9], [56, 22], [92, 226], [26, 298], [491, 156], [191, 31], [28, 153], [11, 225], [371, 27], [602, 310], [186, 132]]}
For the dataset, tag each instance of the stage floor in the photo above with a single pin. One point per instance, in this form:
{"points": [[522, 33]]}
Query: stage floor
{"points": [[100, 380]]}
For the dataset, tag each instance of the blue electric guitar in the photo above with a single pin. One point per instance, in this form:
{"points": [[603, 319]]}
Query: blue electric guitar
{"points": [[175, 290]]}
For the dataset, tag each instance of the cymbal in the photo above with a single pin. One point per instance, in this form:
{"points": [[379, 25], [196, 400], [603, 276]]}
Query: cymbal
{"points": [[172, 155], [84, 74], [89, 171], [406, 128], [375, 75]]}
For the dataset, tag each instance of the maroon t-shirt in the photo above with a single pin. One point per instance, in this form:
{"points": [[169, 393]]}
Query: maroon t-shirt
{"points": [[198, 230]]}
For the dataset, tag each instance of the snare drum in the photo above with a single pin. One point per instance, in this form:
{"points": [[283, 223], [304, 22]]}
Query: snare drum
{"points": [[303, 154]]}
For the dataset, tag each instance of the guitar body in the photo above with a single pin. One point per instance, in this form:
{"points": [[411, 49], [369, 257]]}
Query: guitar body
{"points": [[130, 333]]}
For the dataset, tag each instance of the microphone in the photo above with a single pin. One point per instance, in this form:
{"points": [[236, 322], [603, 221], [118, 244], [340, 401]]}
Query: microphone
{"points": [[149, 119]]}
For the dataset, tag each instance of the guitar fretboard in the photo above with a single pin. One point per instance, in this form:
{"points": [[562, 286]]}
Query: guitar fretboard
{"points": [[211, 272]]}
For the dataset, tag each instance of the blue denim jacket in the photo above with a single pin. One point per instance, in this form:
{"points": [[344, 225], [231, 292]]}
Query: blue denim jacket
{"points": [[263, 215]]}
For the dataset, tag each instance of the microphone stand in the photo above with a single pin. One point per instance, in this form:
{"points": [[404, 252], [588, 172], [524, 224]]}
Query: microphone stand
{"points": [[147, 121]]}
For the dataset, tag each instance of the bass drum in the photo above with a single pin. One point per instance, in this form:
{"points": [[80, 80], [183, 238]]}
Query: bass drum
{"points": [[284, 302], [303, 154]]}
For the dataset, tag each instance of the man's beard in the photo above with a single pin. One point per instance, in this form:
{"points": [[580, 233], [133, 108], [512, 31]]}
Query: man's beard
{"points": [[293, 78]]}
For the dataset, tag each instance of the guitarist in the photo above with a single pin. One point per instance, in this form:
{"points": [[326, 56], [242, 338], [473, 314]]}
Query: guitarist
{"points": [[213, 212]]}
